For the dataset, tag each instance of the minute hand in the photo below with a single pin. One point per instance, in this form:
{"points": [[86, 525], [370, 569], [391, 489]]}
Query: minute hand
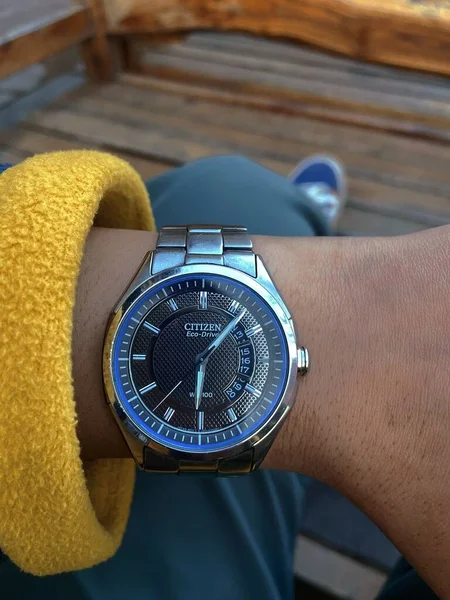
{"points": [[219, 339]]}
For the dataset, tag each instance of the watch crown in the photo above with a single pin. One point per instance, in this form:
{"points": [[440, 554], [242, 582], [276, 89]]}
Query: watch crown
{"points": [[303, 360]]}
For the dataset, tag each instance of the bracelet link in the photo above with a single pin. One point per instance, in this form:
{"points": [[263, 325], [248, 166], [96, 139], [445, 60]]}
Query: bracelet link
{"points": [[202, 244]]}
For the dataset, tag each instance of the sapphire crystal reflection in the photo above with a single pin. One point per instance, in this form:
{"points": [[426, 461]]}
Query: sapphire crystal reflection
{"points": [[200, 362]]}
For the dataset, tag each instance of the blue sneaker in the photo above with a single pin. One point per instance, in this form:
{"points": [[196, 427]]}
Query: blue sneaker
{"points": [[323, 179]]}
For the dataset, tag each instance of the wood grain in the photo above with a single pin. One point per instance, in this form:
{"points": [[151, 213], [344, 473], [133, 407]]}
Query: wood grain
{"points": [[96, 49], [397, 32], [153, 127], [303, 84], [53, 37], [234, 134], [27, 142], [24, 16], [273, 103]]}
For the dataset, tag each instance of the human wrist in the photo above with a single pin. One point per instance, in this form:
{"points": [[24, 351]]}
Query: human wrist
{"points": [[111, 258], [372, 417], [314, 276], [308, 272]]}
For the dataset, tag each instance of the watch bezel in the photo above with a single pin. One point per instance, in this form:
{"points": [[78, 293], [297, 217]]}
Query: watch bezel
{"points": [[126, 304]]}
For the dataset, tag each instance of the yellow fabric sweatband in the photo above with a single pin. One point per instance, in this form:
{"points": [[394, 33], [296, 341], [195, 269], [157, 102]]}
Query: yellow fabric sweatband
{"points": [[54, 515]]}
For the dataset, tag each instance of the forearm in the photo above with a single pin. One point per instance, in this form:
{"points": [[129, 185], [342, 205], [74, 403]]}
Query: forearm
{"points": [[372, 313]]}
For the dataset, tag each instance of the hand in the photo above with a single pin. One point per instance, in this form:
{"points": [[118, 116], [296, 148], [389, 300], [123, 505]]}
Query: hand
{"points": [[219, 339], [199, 382], [373, 418]]}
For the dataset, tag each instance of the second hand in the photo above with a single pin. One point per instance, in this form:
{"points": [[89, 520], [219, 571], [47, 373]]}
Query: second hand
{"points": [[167, 395]]}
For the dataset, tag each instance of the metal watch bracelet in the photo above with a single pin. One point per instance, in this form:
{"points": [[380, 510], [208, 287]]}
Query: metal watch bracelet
{"points": [[203, 244]]}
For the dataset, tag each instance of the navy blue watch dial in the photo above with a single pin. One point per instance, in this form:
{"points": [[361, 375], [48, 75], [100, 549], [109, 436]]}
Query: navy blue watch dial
{"points": [[199, 363]]}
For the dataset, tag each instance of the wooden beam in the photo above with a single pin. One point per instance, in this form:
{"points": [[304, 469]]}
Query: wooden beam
{"points": [[398, 32], [53, 37], [96, 50], [117, 10]]}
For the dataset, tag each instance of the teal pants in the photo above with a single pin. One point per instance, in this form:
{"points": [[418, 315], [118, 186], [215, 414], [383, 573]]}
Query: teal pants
{"points": [[208, 539]]}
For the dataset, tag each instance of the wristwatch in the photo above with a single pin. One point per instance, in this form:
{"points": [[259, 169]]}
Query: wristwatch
{"points": [[200, 361]]}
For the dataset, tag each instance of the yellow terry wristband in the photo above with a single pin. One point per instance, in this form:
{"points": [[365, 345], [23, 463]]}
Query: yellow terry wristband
{"points": [[54, 515]]}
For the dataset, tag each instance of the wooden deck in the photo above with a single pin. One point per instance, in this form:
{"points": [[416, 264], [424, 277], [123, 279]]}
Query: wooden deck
{"points": [[222, 93], [33, 30]]}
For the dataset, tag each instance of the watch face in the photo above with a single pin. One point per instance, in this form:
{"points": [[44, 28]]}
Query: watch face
{"points": [[200, 363]]}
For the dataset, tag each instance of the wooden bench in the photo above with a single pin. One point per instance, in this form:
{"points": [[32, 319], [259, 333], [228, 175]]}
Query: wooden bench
{"points": [[413, 34]]}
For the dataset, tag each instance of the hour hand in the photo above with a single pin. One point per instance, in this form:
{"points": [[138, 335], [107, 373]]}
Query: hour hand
{"points": [[200, 372]]}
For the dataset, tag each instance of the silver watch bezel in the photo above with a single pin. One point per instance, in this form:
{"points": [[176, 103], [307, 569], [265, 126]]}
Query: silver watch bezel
{"points": [[126, 304]]}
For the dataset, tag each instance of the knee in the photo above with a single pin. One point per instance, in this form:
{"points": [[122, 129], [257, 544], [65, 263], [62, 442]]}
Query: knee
{"points": [[226, 164]]}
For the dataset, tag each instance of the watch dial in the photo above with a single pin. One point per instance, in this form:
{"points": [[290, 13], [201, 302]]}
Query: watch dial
{"points": [[200, 363]]}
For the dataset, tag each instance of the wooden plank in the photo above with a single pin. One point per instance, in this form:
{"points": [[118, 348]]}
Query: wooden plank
{"points": [[96, 49], [260, 101], [403, 158], [54, 37], [231, 138], [397, 32], [13, 157], [197, 66], [336, 138], [346, 83], [289, 52], [319, 104], [284, 127], [26, 142], [25, 104], [396, 161], [178, 140], [25, 16], [319, 64]]}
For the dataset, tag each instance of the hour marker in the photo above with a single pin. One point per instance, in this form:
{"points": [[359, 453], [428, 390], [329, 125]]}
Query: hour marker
{"points": [[200, 419], [252, 390], [203, 300], [139, 356], [253, 330], [151, 327], [148, 388], [169, 413], [264, 360], [233, 307], [173, 305], [232, 414]]}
